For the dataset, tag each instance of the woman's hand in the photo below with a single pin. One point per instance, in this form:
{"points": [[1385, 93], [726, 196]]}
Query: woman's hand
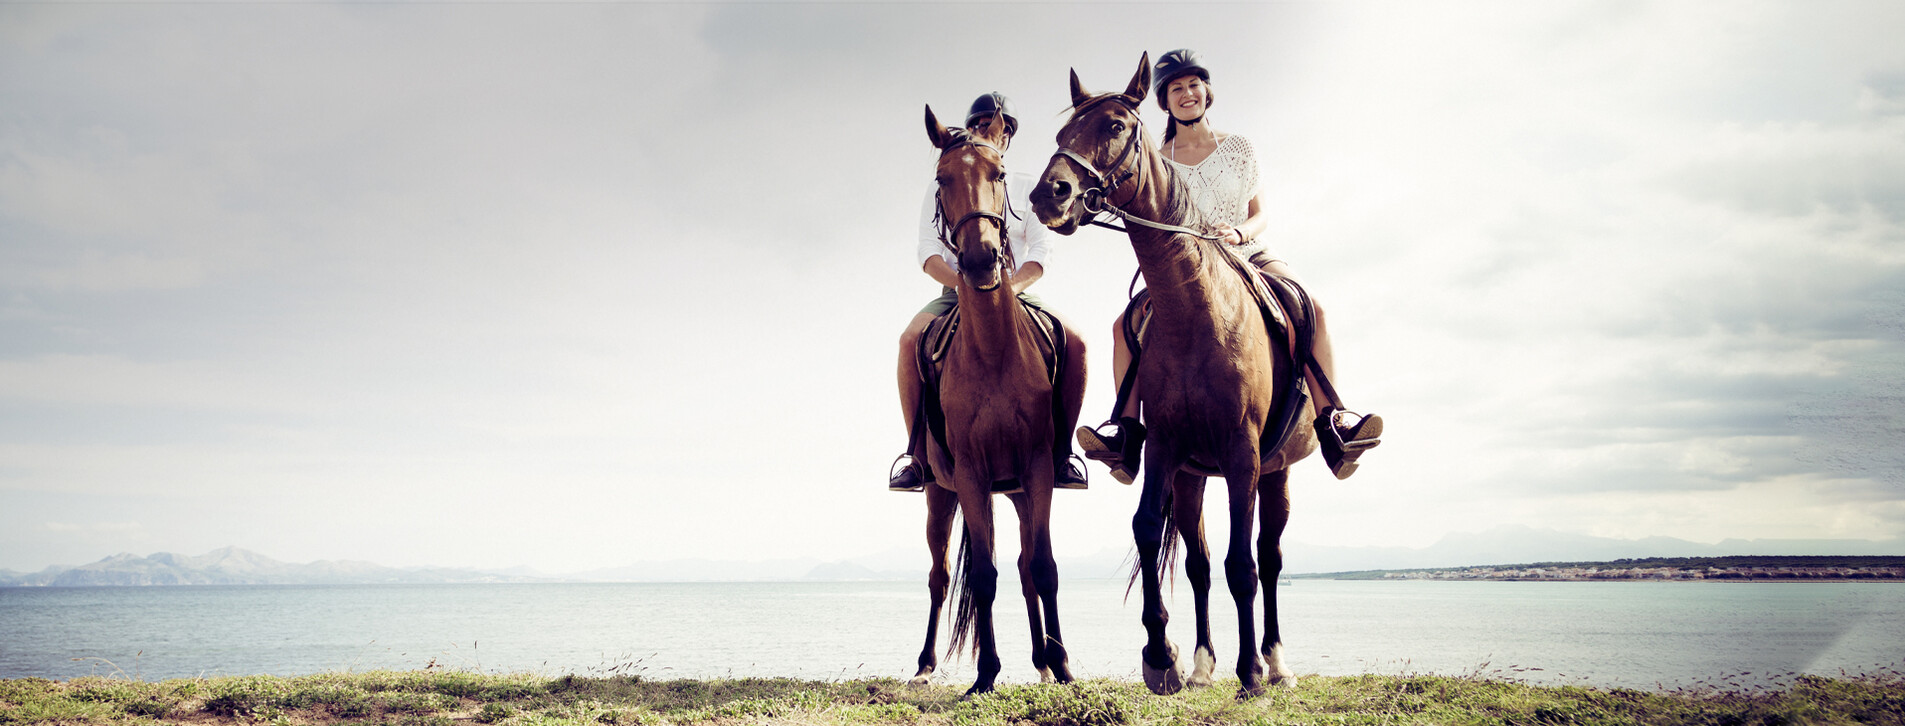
{"points": [[1231, 236]]}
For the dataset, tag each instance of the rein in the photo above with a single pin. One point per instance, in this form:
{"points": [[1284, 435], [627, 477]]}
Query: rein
{"points": [[948, 231], [1097, 198]]}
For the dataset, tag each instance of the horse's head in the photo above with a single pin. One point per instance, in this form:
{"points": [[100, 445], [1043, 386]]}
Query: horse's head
{"points": [[972, 201], [1095, 147]]}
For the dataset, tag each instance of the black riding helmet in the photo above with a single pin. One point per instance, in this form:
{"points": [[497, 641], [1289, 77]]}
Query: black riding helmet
{"points": [[1172, 66], [991, 103]]}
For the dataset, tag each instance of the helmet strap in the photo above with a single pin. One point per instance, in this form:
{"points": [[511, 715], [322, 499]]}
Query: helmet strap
{"points": [[1192, 122]]}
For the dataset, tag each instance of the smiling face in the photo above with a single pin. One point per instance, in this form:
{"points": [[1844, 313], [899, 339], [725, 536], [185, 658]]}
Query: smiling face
{"points": [[990, 127], [1187, 97]]}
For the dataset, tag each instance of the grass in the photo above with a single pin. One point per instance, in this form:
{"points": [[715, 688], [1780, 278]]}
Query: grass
{"points": [[449, 698]]}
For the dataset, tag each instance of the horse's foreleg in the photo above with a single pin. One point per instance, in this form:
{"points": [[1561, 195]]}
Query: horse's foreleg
{"points": [[1147, 527], [1240, 572], [1022, 502], [1044, 578], [1187, 514], [1274, 489], [982, 575], [941, 505]]}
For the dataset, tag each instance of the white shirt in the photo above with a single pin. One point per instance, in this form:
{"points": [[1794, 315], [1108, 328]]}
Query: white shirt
{"points": [[1222, 186], [1029, 240]]}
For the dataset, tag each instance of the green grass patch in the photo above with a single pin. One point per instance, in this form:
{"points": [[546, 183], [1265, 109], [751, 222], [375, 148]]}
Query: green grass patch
{"points": [[434, 698]]}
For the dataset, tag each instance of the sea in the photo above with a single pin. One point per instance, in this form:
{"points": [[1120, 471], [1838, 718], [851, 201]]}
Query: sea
{"points": [[1643, 635]]}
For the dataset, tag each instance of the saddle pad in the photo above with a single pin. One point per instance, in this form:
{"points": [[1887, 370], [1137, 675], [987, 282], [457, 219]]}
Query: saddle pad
{"points": [[1286, 313], [937, 338]]}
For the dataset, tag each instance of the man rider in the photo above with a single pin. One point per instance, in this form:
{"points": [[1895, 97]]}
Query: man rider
{"points": [[1031, 243]]}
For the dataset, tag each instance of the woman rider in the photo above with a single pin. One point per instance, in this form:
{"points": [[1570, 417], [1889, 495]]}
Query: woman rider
{"points": [[1219, 171]]}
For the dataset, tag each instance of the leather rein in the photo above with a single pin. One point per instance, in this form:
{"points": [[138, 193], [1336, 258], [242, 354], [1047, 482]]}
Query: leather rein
{"points": [[947, 231], [1097, 198]]}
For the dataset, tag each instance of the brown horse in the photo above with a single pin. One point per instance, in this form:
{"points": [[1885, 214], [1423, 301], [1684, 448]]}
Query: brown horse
{"points": [[997, 400], [1209, 379]]}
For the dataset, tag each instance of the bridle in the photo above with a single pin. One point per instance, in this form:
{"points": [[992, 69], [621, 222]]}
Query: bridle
{"points": [[947, 231], [1097, 197]]}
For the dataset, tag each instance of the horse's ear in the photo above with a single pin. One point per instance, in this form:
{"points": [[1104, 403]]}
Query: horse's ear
{"points": [[935, 131], [1141, 83], [1079, 96]]}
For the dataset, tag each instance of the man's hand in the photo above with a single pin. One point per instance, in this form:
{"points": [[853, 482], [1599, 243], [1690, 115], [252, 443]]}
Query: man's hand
{"points": [[1028, 273]]}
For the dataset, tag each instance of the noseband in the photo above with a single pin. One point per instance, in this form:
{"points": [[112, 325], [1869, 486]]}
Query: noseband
{"points": [[1097, 198], [947, 231]]}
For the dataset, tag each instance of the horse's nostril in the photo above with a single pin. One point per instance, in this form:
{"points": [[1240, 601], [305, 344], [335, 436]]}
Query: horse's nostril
{"points": [[1061, 189]]}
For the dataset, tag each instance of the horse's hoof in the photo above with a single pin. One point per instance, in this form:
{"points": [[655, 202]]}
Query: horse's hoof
{"points": [[1059, 660], [1203, 673], [920, 681], [1280, 674], [977, 690], [1164, 680], [1045, 676]]}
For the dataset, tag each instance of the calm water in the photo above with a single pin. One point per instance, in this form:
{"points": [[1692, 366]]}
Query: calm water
{"points": [[1634, 634]]}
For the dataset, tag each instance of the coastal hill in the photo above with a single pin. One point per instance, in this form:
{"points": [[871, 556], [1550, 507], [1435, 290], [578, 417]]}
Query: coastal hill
{"points": [[235, 566], [1774, 568], [1459, 555]]}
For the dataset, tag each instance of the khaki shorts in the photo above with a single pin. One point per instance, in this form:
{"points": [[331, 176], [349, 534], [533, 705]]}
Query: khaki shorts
{"points": [[948, 296]]}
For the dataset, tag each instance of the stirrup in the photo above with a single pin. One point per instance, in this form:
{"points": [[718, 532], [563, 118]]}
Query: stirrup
{"points": [[1343, 445], [911, 476], [1084, 475]]}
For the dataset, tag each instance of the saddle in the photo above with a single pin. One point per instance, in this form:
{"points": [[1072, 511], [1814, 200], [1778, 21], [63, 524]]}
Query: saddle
{"points": [[1288, 316], [937, 339]]}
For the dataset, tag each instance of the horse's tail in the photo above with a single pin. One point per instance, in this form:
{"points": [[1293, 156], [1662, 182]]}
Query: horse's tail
{"points": [[965, 608], [1167, 554]]}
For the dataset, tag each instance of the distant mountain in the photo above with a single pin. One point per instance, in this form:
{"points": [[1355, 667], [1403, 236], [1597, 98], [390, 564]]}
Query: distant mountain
{"points": [[234, 566], [1500, 546]]}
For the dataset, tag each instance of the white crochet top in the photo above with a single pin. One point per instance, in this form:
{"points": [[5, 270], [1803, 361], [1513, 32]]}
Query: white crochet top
{"points": [[1222, 186]]}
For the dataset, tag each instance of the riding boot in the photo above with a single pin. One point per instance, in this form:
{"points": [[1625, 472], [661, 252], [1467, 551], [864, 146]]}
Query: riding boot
{"points": [[912, 476], [1344, 436], [1070, 474], [1119, 449]]}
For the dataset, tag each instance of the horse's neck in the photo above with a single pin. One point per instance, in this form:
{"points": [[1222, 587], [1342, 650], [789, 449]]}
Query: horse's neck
{"points": [[1187, 278], [993, 320]]}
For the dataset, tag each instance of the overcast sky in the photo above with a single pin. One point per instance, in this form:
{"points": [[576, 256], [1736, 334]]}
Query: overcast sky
{"points": [[574, 285]]}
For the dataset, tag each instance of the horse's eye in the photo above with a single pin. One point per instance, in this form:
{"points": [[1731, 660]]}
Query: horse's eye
{"points": [[941, 180], [1117, 127], [999, 177]]}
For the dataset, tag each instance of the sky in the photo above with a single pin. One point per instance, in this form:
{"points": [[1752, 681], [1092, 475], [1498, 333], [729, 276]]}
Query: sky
{"points": [[575, 285]]}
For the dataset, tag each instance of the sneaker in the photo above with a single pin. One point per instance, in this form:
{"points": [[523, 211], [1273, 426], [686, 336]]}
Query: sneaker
{"points": [[912, 476], [1071, 475], [1344, 436], [1118, 445]]}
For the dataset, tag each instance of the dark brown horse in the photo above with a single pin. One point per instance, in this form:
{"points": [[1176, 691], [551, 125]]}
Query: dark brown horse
{"points": [[1209, 379], [997, 400]]}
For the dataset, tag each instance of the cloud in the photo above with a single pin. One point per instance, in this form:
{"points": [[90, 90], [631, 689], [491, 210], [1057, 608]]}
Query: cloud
{"points": [[616, 267]]}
